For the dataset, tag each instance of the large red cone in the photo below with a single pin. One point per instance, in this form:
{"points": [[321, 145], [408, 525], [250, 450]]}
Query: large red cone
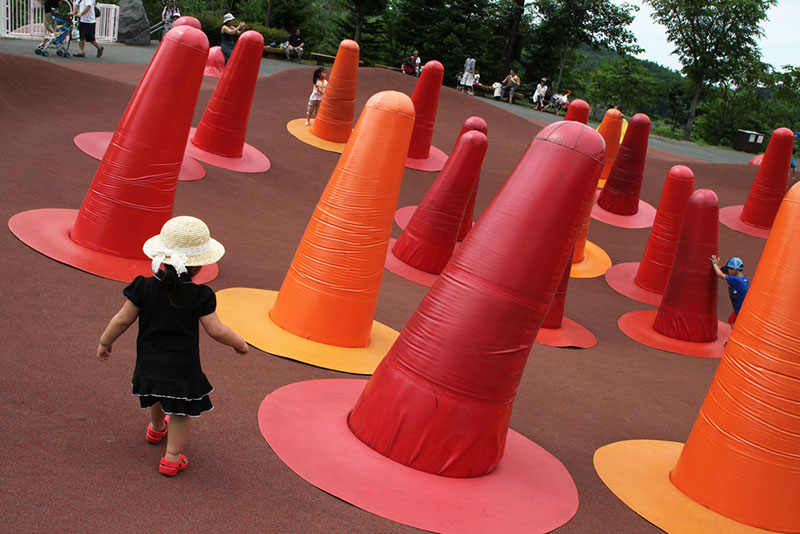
{"points": [[216, 62], [426, 102], [578, 111], [440, 400], [472, 123], [427, 243], [188, 21], [223, 128], [334, 120], [688, 310], [555, 314], [659, 254], [771, 181], [133, 190], [620, 194], [742, 458]]}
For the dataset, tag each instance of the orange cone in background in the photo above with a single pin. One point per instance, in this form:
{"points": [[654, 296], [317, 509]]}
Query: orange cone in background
{"points": [[771, 180], [742, 458], [472, 123], [223, 128], [578, 111], [331, 290], [334, 120], [588, 260], [611, 130]]}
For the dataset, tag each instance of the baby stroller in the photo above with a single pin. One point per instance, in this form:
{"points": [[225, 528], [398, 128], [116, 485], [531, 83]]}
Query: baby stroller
{"points": [[61, 39]]}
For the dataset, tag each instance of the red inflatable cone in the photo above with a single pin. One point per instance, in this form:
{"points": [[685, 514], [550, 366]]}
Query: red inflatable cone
{"points": [[334, 120], [578, 111], [472, 123], [448, 414], [620, 194], [216, 62], [645, 281], [220, 137], [686, 321], [421, 155], [427, 243], [756, 216], [188, 21], [132, 194]]}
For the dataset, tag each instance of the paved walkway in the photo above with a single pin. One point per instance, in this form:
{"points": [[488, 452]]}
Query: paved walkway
{"points": [[119, 53]]}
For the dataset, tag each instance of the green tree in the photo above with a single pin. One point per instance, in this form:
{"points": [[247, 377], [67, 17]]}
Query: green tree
{"points": [[623, 81], [709, 36], [567, 24]]}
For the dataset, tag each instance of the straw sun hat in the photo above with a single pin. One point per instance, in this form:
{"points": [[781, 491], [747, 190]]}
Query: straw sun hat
{"points": [[183, 242]]}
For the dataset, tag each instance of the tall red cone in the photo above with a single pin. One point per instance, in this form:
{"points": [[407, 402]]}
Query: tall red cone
{"points": [[132, 194], [223, 128], [620, 194], [427, 243], [742, 457], [555, 314], [578, 111], [472, 123], [421, 155], [659, 253], [440, 400], [688, 310], [334, 120], [188, 21], [771, 181]]}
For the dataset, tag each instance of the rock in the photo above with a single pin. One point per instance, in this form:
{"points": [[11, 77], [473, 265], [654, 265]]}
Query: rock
{"points": [[134, 28]]}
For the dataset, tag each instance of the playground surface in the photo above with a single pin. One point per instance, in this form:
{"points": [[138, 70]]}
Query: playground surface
{"points": [[74, 453]]}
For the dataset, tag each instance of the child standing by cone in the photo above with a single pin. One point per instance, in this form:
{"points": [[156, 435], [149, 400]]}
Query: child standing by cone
{"points": [[738, 284], [168, 378], [320, 83]]}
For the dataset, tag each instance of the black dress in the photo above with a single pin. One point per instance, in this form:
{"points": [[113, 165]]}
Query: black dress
{"points": [[167, 347]]}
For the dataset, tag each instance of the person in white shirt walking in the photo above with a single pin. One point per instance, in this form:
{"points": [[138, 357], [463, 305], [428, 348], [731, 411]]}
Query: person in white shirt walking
{"points": [[84, 10]]}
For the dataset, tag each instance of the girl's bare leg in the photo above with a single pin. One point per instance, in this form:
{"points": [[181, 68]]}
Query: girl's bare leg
{"points": [[157, 418], [176, 439]]}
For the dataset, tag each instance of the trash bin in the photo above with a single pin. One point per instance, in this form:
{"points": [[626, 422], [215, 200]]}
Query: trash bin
{"points": [[748, 141]]}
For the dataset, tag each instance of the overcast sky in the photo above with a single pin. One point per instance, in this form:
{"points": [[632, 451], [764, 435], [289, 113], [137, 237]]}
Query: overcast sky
{"points": [[779, 46]]}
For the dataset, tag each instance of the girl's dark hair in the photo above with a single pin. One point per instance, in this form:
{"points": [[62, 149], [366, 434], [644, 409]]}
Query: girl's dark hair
{"points": [[172, 283], [317, 72]]}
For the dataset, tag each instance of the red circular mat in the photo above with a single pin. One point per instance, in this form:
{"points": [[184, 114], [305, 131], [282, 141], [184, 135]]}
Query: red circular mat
{"points": [[306, 425], [638, 325], [433, 163], [620, 278], [641, 219], [404, 270], [252, 159], [729, 216], [95, 144], [47, 231], [571, 334], [403, 215]]}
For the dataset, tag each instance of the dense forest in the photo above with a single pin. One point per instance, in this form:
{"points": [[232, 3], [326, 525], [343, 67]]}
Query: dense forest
{"points": [[583, 46]]}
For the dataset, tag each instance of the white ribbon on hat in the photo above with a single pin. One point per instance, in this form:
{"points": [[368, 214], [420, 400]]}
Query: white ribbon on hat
{"points": [[177, 257]]}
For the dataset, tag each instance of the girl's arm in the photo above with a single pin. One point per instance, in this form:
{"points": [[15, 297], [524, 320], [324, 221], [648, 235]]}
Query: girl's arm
{"points": [[223, 334], [125, 317]]}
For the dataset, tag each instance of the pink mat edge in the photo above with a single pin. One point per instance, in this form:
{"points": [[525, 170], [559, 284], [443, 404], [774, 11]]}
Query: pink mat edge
{"points": [[433, 163], [642, 219], [571, 334], [620, 278], [729, 216], [252, 160], [404, 270], [642, 320]]}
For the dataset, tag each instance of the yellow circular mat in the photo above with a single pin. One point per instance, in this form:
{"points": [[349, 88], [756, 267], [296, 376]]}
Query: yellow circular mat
{"points": [[298, 128], [595, 263]]}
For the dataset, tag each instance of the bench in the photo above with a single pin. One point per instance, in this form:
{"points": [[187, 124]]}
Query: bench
{"points": [[487, 90], [322, 59], [398, 69], [274, 51]]}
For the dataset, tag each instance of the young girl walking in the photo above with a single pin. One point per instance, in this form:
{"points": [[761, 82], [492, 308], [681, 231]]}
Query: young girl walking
{"points": [[320, 83], [168, 378]]}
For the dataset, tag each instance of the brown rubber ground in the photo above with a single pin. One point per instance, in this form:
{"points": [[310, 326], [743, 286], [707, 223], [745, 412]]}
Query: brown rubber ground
{"points": [[74, 455]]}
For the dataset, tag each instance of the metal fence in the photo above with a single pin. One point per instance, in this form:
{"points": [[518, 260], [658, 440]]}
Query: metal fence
{"points": [[25, 18]]}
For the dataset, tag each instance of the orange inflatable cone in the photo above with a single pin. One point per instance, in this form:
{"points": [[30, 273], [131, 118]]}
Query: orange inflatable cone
{"points": [[323, 314], [611, 130], [756, 216], [645, 281], [133, 190], [619, 203], [219, 138], [334, 120], [578, 111], [686, 321], [216, 62], [740, 465], [436, 411], [427, 243], [421, 154]]}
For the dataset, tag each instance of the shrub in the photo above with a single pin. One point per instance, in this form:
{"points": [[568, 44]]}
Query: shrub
{"points": [[271, 35], [211, 25]]}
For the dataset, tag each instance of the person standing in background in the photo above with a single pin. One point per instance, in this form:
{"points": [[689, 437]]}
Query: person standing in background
{"points": [[84, 10]]}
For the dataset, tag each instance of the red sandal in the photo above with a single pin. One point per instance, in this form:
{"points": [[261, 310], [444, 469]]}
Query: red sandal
{"points": [[155, 436], [170, 468]]}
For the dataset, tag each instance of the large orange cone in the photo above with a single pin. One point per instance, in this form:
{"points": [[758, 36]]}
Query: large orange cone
{"points": [[427, 243], [645, 281], [739, 470], [324, 312], [448, 414], [334, 120], [756, 216], [421, 155], [578, 111], [133, 190], [220, 137], [611, 130]]}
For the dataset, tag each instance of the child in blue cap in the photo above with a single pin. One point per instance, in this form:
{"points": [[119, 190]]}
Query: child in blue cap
{"points": [[738, 284]]}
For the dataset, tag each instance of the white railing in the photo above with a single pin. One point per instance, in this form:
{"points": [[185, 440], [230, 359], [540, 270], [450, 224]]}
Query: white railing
{"points": [[25, 18]]}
